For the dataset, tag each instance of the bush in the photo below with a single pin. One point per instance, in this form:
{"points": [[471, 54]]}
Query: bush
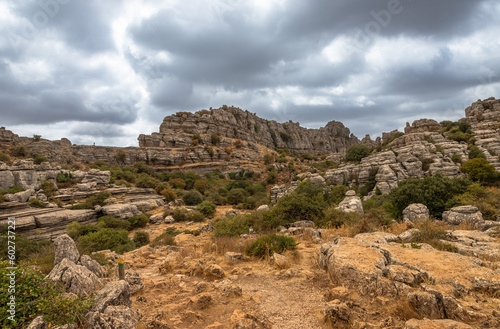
{"points": [[480, 170], [432, 191], [195, 216], [271, 178], [146, 181], [63, 177], [357, 152], [486, 199], [141, 238], [201, 185], [106, 238], [35, 203], [169, 195], [38, 158], [236, 195], [164, 239], [92, 201], [36, 295], [75, 229], [116, 223], [269, 244], [337, 194], [138, 221], [336, 218], [4, 157], [456, 159], [292, 208], [475, 152], [207, 208], [19, 151], [178, 183], [179, 215], [120, 156], [233, 226], [215, 139], [48, 187], [192, 198]]}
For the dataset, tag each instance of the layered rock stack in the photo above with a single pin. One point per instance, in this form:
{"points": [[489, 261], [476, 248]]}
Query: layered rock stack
{"points": [[177, 130]]}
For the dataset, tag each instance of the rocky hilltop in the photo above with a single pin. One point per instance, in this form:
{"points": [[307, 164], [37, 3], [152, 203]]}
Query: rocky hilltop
{"points": [[230, 122]]}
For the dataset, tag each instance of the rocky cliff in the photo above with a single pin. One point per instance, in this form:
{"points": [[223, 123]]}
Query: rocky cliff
{"points": [[176, 131]]}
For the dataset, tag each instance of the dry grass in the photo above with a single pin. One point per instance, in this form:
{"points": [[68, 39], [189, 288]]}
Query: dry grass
{"points": [[222, 244]]}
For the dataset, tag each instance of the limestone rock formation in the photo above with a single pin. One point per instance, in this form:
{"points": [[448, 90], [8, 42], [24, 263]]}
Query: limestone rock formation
{"points": [[75, 278], [177, 130], [65, 247], [463, 214], [427, 278], [351, 203], [415, 211]]}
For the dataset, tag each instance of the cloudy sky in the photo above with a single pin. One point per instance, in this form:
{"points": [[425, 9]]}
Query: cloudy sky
{"points": [[106, 71]]}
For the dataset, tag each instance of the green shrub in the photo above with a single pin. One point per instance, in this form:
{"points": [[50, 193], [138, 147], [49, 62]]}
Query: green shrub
{"points": [[169, 195], [195, 216], [92, 201], [19, 151], [112, 222], [141, 167], [480, 170], [336, 218], [179, 215], [237, 195], [48, 187], [200, 185], [268, 159], [271, 178], [63, 177], [292, 208], [233, 226], [215, 139], [207, 208], [269, 244], [138, 221], [486, 199], [192, 198], [456, 159], [146, 181], [36, 295], [35, 203], [106, 238], [4, 157], [357, 152], [475, 152], [178, 183], [337, 194], [38, 158], [120, 156], [75, 229], [432, 191], [141, 238]]}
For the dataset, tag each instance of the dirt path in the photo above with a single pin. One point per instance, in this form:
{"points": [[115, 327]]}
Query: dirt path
{"points": [[291, 298]]}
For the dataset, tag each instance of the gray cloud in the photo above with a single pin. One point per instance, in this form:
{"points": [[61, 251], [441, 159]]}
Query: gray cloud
{"points": [[97, 66]]}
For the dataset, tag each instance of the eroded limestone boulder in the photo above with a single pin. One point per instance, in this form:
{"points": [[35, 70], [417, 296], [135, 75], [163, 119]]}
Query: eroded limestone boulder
{"points": [[75, 278], [65, 247], [351, 203], [463, 214], [415, 211]]}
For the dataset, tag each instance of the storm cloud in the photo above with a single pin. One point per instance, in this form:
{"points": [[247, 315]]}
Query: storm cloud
{"points": [[104, 72]]}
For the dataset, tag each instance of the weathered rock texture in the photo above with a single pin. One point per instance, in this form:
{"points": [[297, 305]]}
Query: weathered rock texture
{"points": [[177, 130], [351, 203], [436, 284]]}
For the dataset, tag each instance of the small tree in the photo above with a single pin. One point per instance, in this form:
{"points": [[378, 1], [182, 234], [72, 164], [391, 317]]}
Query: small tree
{"points": [[479, 170], [357, 152]]}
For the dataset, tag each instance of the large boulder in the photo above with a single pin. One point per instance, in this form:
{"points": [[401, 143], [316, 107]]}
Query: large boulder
{"points": [[134, 280], [114, 293], [75, 278], [317, 179], [415, 211], [121, 211], [463, 214], [65, 247], [351, 203]]}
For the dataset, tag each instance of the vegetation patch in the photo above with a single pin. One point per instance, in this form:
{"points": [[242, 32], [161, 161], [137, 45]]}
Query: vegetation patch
{"points": [[270, 244]]}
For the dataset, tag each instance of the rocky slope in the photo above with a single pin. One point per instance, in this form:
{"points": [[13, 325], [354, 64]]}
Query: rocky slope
{"points": [[175, 131]]}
